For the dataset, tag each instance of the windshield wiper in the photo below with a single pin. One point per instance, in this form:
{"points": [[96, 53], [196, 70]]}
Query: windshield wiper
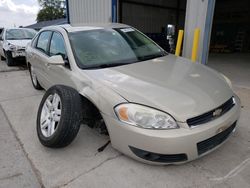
{"points": [[152, 56], [106, 65]]}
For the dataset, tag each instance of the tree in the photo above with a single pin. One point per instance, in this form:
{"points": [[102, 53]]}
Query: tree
{"points": [[51, 9]]}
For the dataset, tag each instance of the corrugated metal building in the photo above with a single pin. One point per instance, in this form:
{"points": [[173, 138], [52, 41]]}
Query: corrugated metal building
{"points": [[89, 11], [150, 16]]}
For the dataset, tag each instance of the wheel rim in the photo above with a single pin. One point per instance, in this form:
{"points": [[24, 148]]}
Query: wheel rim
{"points": [[50, 115], [33, 75]]}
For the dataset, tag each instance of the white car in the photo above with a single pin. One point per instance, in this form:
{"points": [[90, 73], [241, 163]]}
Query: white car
{"points": [[156, 107], [13, 42]]}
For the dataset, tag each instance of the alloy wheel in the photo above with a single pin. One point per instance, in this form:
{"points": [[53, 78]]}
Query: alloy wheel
{"points": [[50, 115]]}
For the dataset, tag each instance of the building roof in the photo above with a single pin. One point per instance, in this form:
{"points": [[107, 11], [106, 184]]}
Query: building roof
{"points": [[42, 24]]}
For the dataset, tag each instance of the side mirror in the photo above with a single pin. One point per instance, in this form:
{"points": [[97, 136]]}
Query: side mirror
{"points": [[56, 60]]}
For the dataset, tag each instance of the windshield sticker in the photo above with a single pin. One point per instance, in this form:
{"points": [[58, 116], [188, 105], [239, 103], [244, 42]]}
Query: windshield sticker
{"points": [[126, 30]]}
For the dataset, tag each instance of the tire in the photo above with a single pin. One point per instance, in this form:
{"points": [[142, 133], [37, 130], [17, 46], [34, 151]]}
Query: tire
{"points": [[33, 78], [9, 59], [67, 127]]}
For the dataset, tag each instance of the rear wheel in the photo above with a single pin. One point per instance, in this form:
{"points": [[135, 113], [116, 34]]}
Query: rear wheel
{"points": [[33, 78], [9, 59], [59, 116]]}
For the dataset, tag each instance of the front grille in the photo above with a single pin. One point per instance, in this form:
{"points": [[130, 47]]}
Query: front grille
{"points": [[156, 157], [214, 141], [209, 116]]}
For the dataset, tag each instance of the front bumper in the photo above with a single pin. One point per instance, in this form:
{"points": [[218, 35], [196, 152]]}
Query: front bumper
{"points": [[176, 143]]}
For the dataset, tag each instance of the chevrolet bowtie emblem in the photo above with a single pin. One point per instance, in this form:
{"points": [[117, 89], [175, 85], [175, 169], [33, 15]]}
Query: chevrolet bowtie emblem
{"points": [[217, 112]]}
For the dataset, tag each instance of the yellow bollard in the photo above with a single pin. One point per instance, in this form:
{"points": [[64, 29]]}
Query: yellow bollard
{"points": [[179, 42], [195, 44]]}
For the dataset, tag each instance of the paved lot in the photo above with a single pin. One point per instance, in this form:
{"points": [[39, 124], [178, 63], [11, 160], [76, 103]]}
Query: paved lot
{"points": [[25, 163], [235, 66]]}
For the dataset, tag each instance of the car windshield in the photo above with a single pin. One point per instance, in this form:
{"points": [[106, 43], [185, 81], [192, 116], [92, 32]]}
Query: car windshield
{"points": [[103, 48], [20, 34]]}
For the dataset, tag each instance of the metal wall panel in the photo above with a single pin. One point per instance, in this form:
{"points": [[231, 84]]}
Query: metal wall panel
{"points": [[89, 11], [147, 19], [169, 3]]}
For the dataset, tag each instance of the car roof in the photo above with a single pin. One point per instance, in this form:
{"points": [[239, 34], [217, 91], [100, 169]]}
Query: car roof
{"points": [[87, 26]]}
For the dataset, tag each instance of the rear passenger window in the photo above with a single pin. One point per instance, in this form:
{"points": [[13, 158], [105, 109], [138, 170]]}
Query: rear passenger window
{"points": [[57, 46], [43, 41]]}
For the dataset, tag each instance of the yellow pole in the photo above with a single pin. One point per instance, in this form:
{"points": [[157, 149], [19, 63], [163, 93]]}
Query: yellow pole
{"points": [[179, 42], [195, 44]]}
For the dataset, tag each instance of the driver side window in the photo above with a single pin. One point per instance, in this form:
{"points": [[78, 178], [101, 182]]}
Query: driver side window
{"points": [[57, 46]]}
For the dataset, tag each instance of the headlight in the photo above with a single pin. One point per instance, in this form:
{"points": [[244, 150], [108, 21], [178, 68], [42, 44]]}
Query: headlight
{"points": [[12, 47], [144, 117], [228, 81]]}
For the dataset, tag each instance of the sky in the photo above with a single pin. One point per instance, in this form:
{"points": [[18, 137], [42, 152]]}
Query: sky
{"points": [[18, 12]]}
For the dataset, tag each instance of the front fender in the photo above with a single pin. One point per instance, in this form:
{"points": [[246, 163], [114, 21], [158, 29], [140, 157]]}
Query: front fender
{"points": [[103, 98]]}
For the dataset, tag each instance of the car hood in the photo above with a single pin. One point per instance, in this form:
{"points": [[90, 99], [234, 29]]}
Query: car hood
{"points": [[172, 84], [20, 43]]}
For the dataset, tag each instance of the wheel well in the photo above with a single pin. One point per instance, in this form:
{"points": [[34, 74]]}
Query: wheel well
{"points": [[92, 116], [90, 111]]}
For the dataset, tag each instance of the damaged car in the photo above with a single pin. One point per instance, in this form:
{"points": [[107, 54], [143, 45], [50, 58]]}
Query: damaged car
{"points": [[13, 42], [155, 107]]}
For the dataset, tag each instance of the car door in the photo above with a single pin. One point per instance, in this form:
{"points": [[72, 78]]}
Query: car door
{"points": [[59, 74], [40, 58]]}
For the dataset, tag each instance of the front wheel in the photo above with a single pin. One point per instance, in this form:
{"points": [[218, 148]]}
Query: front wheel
{"points": [[59, 116]]}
